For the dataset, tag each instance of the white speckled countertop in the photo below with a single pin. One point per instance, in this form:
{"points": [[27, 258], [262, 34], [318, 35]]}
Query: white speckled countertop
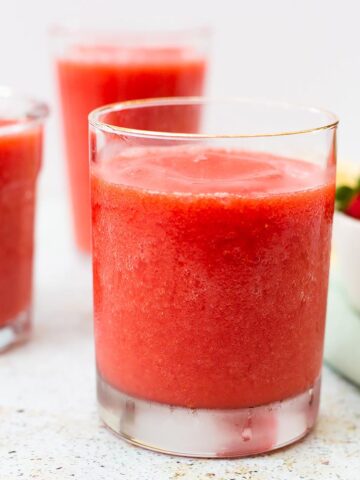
{"points": [[49, 427]]}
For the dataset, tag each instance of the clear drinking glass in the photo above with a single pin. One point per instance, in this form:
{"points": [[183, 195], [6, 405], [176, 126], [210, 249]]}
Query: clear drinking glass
{"points": [[211, 226], [95, 67], [21, 131]]}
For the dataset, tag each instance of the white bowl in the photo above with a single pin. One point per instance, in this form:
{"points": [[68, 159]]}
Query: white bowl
{"points": [[342, 340], [346, 246]]}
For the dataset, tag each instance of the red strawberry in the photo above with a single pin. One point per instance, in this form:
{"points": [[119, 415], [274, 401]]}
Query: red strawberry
{"points": [[353, 208]]}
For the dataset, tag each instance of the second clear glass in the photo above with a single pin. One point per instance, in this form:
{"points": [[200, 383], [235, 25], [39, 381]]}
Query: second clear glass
{"points": [[96, 67], [21, 133]]}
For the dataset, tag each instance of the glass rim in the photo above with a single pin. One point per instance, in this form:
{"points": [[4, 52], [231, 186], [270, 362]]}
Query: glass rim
{"points": [[94, 117], [34, 113], [68, 29]]}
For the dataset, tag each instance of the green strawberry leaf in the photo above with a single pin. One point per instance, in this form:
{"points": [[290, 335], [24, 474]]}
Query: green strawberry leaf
{"points": [[357, 187], [343, 196]]}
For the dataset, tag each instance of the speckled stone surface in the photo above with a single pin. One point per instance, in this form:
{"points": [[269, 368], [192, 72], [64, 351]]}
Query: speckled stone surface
{"points": [[49, 428]]}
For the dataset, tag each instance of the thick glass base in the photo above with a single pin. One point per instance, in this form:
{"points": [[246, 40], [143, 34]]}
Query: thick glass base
{"points": [[16, 330], [208, 433]]}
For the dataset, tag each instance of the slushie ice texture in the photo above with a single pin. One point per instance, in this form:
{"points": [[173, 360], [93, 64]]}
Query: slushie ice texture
{"points": [[92, 76], [210, 282], [20, 159]]}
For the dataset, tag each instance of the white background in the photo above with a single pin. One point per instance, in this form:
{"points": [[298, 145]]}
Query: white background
{"points": [[305, 51]]}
